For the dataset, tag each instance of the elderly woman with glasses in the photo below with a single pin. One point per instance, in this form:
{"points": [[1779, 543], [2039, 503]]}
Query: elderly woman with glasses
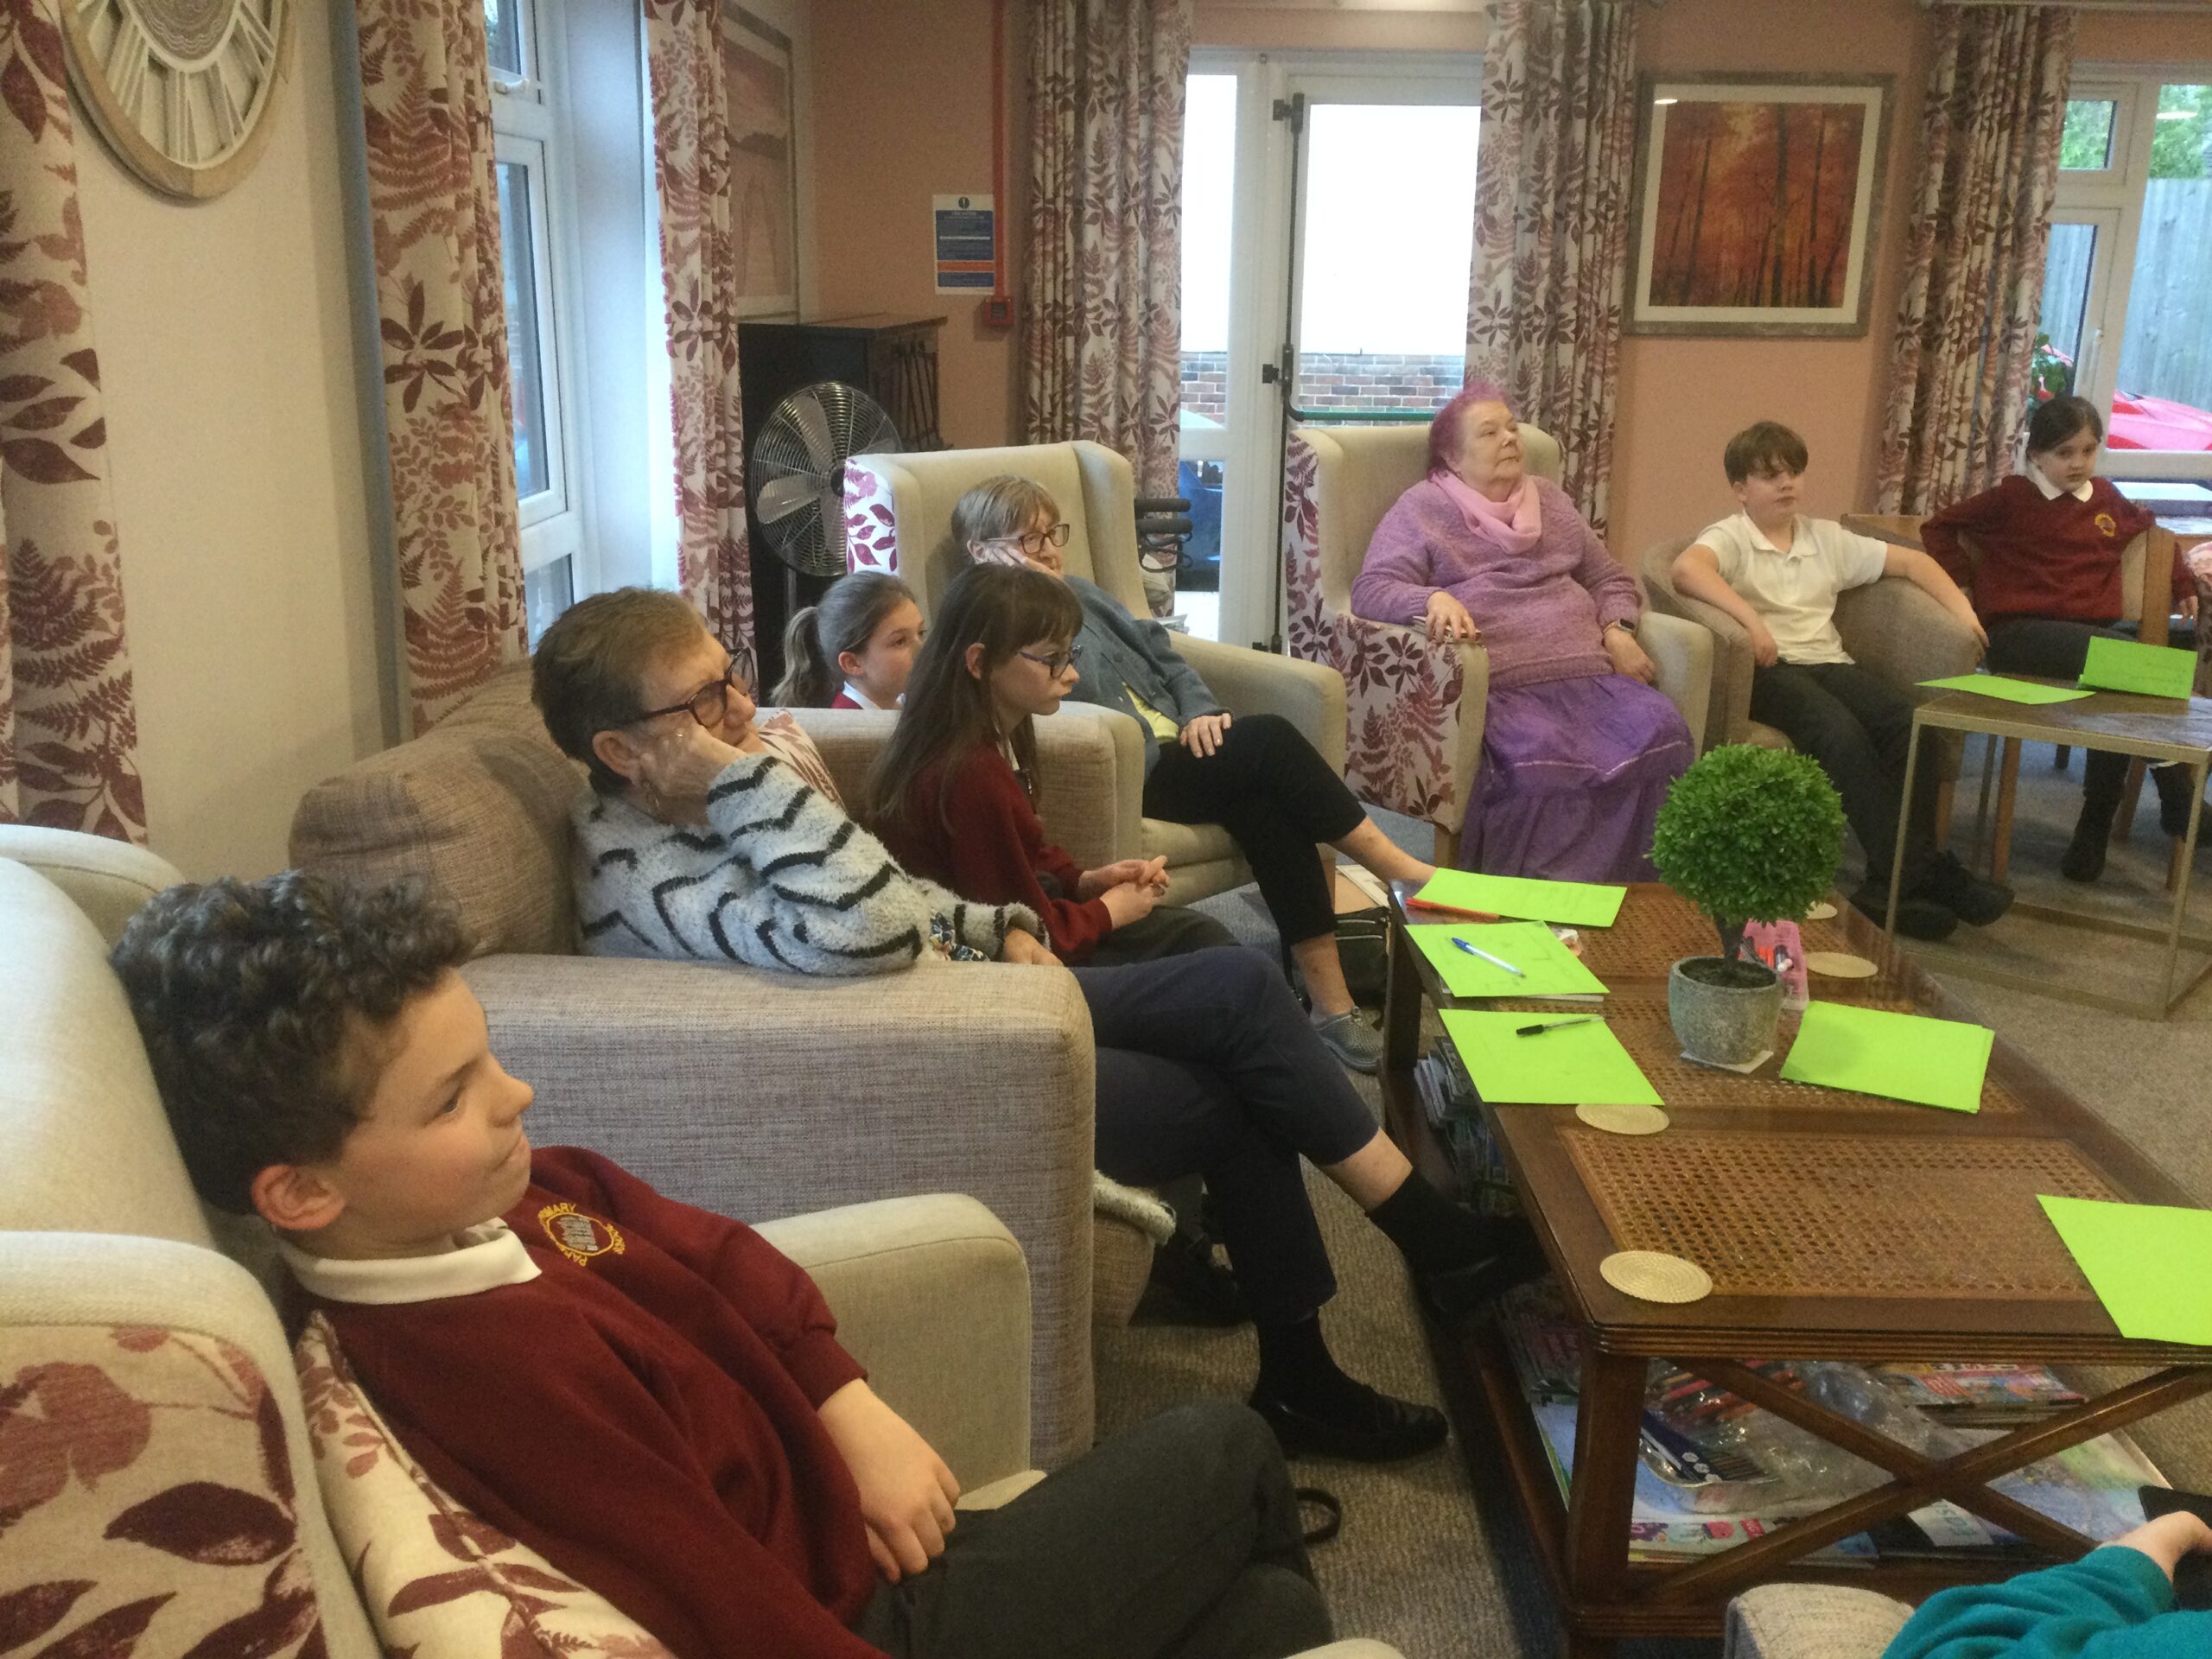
{"points": [[1258, 777], [698, 839]]}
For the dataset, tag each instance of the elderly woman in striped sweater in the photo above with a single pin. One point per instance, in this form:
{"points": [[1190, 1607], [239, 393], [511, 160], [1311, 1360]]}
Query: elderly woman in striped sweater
{"points": [[698, 839]]}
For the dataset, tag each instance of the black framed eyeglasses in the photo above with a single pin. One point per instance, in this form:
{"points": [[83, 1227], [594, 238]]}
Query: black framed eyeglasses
{"points": [[1032, 542], [707, 705], [1056, 665]]}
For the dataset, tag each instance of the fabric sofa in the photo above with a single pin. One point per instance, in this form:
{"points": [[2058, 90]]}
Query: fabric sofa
{"points": [[1415, 722], [165, 1495], [1811, 1621], [750, 1093], [899, 518]]}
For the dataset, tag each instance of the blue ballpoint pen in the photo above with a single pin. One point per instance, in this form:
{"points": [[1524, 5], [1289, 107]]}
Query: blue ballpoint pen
{"points": [[1495, 961]]}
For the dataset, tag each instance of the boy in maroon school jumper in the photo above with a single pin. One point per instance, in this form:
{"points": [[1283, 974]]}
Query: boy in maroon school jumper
{"points": [[649, 1396]]}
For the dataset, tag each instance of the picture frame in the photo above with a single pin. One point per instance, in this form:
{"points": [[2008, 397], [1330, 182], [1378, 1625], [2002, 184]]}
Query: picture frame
{"points": [[1710, 253], [764, 164]]}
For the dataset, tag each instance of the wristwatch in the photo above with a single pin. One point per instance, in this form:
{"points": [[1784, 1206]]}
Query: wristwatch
{"points": [[1618, 622]]}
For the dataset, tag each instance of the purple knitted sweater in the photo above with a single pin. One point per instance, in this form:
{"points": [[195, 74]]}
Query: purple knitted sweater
{"points": [[1543, 616]]}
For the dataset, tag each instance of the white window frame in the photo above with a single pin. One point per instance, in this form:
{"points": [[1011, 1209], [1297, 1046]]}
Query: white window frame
{"points": [[2113, 199], [530, 130]]}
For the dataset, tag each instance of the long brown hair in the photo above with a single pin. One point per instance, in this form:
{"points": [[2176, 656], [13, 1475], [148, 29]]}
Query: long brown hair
{"points": [[947, 710], [845, 620]]}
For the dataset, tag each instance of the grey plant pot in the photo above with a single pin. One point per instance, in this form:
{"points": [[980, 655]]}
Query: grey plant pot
{"points": [[1724, 1025]]}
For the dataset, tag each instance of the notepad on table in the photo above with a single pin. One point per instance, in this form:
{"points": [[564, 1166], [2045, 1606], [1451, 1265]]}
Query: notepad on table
{"points": [[2007, 691], [1574, 1065], [1904, 1057], [1571, 904], [2129, 1253], [2127, 665], [1548, 968]]}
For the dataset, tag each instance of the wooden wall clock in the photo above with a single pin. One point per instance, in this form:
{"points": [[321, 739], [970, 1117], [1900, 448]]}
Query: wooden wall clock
{"points": [[180, 89]]}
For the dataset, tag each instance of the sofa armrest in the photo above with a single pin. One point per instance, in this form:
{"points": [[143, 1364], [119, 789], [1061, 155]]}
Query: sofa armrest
{"points": [[106, 879], [1310, 695], [1811, 1621], [932, 1296], [1728, 717], [851, 740], [184, 1374], [1125, 740], [1414, 725], [1682, 652], [1899, 631], [762, 1094]]}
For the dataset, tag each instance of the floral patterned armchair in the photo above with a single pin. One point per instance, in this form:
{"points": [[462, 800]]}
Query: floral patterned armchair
{"points": [[1413, 713]]}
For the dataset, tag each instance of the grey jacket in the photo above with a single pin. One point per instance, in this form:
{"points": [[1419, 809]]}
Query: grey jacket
{"points": [[1117, 653]]}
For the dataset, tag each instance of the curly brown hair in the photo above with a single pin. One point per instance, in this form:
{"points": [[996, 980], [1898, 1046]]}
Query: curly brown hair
{"points": [[260, 1002]]}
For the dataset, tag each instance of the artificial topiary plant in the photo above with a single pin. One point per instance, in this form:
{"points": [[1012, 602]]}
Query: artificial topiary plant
{"points": [[1750, 834]]}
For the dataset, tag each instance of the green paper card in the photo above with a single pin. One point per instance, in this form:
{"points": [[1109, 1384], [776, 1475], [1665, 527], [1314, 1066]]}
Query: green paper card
{"points": [[1898, 1056], [1574, 1065], [1548, 968], [1571, 904], [2132, 1254], [2007, 691], [2126, 665]]}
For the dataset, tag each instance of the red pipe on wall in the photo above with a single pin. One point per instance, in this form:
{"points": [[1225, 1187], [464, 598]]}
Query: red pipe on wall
{"points": [[998, 310]]}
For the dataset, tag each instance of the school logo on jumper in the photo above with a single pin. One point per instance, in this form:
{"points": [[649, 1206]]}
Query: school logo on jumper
{"points": [[2107, 526], [579, 1236]]}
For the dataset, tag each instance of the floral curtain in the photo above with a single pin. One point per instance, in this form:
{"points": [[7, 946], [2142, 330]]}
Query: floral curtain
{"points": [[433, 212], [699, 282], [1102, 332], [68, 729], [1551, 222], [1974, 267]]}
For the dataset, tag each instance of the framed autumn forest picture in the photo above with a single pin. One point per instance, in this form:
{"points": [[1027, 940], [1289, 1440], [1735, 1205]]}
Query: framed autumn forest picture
{"points": [[1756, 202]]}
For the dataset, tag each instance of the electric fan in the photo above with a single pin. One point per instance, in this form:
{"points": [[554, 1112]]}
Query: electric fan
{"points": [[797, 476]]}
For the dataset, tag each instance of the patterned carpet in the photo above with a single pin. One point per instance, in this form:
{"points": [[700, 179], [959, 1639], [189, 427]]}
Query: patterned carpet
{"points": [[1433, 1559]]}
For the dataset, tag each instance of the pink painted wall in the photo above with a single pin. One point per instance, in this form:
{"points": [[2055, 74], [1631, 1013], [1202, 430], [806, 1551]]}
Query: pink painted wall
{"points": [[904, 112]]}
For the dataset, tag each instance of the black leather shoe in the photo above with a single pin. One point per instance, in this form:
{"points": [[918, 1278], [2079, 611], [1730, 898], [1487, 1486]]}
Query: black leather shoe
{"points": [[1918, 918], [2084, 857], [1959, 890], [1203, 1291], [1379, 1429]]}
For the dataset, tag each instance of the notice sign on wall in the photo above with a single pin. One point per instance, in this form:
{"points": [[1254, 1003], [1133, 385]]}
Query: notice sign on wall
{"points": [[967, 239]]}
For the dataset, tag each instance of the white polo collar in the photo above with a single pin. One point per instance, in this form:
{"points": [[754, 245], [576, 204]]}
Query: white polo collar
{"points": [[866, 701], [1798, 548], [486, 1257], [2050, 491]]}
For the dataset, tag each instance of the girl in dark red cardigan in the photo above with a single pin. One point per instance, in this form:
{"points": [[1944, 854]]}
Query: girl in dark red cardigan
{"points": [[954, 795], [2049, 581], [853, 650]]}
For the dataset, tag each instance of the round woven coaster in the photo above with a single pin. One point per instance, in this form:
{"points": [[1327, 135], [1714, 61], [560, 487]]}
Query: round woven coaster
{"points": [[1654, 1276], [1624, 1120], [1839, 964], [1820, 911]]}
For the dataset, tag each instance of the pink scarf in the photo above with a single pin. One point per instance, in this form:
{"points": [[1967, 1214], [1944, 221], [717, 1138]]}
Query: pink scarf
{"points": [[1513, 526]]}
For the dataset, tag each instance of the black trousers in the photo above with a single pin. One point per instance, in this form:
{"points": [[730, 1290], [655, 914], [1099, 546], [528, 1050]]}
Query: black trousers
{"points": [[2056, 649], [1859, 727], [1208, 1066], [1270, 789], [1177, 1539], [1169, 930]]}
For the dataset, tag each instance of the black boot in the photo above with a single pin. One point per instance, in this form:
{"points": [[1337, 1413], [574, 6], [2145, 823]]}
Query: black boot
{"points": [[2084, 858], [2174, 784]]}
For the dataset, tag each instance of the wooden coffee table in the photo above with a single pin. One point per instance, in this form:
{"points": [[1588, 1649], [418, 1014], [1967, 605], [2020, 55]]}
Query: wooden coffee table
{"points": [[1834, 1226]]}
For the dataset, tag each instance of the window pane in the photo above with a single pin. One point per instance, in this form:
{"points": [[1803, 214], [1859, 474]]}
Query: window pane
{"points": [[518, 253], [1209, 190], [2085, 143], [503, 35], [1389, 223], [2065, 301], [2165, 396], [546, 592]]}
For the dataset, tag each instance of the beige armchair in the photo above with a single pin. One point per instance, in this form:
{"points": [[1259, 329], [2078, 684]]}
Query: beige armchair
{"points": [[1416, 707], [899, 518], [757, 1094], [165, 1487]]}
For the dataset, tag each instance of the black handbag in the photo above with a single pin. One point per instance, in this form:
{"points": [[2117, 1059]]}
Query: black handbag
{"points": [[1364, 947]]}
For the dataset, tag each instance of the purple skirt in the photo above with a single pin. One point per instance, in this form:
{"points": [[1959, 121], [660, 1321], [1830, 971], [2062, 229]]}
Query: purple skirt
{"points": [[1573, 775]]}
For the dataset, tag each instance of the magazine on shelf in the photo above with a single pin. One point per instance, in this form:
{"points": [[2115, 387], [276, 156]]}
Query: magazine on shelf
{"points": [[1964, 1393]]}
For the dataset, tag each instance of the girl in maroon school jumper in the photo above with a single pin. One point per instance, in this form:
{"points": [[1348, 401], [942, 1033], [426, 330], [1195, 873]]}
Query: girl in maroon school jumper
{"points": [[953, 794], [2051, 539], [853, 650]]}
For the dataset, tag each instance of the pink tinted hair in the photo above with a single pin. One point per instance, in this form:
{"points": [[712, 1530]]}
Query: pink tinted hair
{"points": [[1444, 430]]}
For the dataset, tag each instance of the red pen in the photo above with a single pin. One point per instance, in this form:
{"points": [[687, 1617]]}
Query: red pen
{"points": [[1450, 910]]}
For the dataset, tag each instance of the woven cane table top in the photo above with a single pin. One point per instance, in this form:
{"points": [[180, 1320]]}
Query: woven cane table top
{"points": [[1868, 1215], [1638, 1018], [1656, 926]]}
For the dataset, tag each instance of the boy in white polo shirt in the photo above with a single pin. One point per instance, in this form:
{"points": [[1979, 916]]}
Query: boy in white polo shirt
{"points": [[1778, 574]]}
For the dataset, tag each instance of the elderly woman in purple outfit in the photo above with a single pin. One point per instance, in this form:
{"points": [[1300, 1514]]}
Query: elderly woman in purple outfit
{"points": [[1577, 748]]}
